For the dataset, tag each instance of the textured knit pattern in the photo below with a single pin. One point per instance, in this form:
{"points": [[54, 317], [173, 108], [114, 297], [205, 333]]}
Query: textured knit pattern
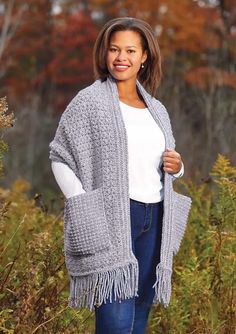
{"points": [[91, 139], [82, 238]]}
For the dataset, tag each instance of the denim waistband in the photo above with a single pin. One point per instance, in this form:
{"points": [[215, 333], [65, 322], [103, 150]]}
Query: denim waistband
{"points": [[134, 201]]}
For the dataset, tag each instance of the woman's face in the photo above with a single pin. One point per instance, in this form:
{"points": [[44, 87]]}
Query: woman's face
{"points": [[125, 55]]}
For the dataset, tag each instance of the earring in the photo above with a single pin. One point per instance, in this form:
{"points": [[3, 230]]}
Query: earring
{"points": [[142, 66]]}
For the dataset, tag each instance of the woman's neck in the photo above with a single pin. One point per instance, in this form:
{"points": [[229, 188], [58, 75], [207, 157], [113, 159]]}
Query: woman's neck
{"points": [[128, 94]]}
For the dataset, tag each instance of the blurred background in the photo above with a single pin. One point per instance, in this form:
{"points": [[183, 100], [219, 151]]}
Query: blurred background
{"points": [[46, 58]]}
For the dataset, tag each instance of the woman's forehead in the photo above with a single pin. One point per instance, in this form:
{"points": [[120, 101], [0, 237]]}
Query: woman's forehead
{"points": [[128, 37]]}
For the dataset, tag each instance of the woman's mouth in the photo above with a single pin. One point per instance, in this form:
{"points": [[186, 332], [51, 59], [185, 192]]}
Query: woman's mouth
{"points": [[121, 68]]}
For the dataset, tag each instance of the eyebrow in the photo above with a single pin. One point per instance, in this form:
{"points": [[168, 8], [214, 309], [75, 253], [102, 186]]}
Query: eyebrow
{"points": [[131, 46]]}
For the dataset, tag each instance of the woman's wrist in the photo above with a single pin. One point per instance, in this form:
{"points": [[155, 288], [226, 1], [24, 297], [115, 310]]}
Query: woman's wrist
{"points": [[180, 173]]}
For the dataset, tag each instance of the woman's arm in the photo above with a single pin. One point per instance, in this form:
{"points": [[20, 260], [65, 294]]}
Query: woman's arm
{"points": [[66, 179]]}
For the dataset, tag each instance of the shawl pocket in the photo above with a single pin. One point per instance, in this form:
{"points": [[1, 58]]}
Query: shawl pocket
{"points": [[85, 225], [181, 208]]}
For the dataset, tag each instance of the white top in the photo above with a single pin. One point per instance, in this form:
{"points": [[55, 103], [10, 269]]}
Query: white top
{"points": [[146, 145]]}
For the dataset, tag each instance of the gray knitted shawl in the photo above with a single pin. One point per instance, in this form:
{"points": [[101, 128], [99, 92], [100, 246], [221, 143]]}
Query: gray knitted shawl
{"points": [[91, 139]]}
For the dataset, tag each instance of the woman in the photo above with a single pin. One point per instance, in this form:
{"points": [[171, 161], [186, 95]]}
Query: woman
{"points": [[113, 157]]}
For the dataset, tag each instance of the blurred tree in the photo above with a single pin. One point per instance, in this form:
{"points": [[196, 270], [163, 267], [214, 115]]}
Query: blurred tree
{"points": [[48, 51], [71, 66], [29, 49], [48, 59], [193, 33], [9, 23]]}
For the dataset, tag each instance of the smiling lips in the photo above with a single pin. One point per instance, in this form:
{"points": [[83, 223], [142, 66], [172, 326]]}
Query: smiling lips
{"points": [[121, 67]]}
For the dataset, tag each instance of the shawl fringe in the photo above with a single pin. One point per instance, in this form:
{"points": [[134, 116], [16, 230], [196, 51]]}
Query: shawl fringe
{"points": [[94, 289], [162, 285]]}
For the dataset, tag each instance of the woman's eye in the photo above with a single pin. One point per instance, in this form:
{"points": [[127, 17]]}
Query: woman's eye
{"points": [[113, 49], [131, 51]]}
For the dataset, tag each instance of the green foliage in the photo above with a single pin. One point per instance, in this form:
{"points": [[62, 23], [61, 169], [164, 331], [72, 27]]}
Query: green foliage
{"points": [[6, 121], [203, 297], [34, 282], [3, 150]]}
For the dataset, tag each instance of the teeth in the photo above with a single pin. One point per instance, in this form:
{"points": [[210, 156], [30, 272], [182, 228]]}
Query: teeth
{"points": [[121, 66]]}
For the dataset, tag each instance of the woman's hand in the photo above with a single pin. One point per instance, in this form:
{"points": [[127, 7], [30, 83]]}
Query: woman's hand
{"points": [[172, 161]]}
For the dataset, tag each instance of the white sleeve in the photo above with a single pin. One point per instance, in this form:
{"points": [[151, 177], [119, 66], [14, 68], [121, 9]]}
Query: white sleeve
{"points": [[180, 173], [66, 179]]}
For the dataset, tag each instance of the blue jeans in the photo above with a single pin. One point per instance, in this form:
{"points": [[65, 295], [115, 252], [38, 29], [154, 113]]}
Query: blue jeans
{"points": [[131, 315]]}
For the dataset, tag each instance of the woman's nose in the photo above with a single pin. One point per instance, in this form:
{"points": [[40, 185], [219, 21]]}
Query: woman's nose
{"points": [[121, 56]]}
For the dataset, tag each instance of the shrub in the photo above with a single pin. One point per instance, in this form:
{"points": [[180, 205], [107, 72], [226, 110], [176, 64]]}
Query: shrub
{"points": [[33, 280], [203, 296]]}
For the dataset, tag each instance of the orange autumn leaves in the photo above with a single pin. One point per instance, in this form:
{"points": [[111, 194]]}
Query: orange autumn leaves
{"points": [[55, 47], [190, 31]]}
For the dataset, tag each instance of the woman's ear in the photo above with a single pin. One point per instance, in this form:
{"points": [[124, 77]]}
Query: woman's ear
{"points": [[144, 56]]}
